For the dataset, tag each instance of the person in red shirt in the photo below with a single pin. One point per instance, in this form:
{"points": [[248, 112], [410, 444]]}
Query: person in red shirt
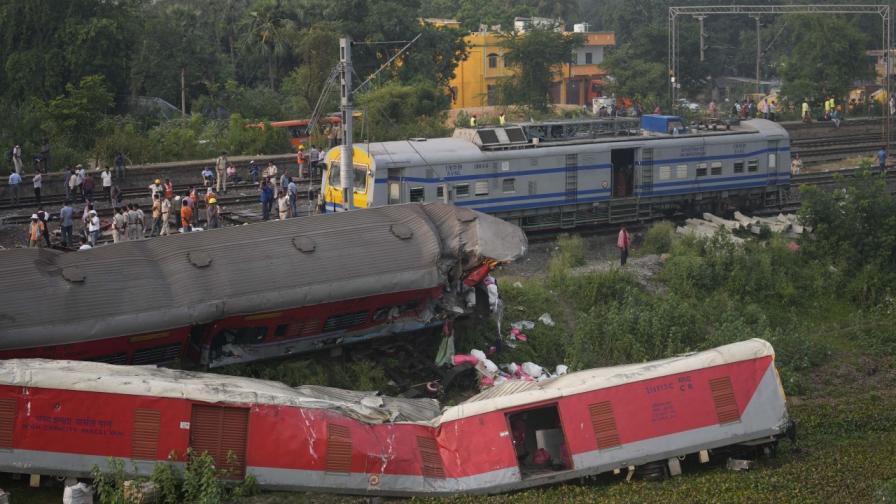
{"points": [[169, 189], [623, 242], [186, 217]]}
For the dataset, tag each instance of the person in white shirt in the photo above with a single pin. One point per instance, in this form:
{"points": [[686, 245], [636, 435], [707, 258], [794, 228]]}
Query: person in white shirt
{"points": [[93, 228], [84, 244], [107, 184], [17, 158], [38, 182]]}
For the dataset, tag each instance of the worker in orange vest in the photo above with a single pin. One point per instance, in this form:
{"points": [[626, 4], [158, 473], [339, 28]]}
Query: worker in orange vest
{"points": [[36, 232]]}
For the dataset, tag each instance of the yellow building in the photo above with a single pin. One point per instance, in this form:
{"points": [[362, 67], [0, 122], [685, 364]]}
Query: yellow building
{"points": [[476, 78]]}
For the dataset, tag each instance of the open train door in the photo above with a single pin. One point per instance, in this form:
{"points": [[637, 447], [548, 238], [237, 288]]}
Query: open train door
{"points": [[623, 163], [539, 441]]}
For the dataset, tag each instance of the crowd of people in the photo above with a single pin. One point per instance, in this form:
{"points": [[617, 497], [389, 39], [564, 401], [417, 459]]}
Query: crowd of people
{"points": [[129, 222]]}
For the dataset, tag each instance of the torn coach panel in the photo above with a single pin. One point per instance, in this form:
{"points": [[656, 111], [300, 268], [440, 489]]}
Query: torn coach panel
{"points": [[245, 293], [65, 416]]}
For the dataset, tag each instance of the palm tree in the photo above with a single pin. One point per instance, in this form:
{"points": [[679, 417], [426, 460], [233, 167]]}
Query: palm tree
{"points": [[267, 29]]}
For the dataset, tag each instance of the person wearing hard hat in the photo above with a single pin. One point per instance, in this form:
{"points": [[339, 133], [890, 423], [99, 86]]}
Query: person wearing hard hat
{"points": [[36, 232], [155, 188], [211, 213], [156, 215]]}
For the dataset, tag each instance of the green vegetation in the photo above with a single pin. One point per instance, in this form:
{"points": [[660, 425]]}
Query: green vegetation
{"points": [[535, 56], [200, 483]]}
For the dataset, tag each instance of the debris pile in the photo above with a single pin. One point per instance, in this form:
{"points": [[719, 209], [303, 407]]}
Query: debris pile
{"points": [[708, 226]]}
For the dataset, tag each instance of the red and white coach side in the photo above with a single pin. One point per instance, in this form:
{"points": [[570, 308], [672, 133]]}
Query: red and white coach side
{"points": [[62, 417]]}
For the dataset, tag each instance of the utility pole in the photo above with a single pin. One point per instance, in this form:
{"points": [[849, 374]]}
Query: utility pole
{"points": [[758, 53], [346, 167], [183, 90], [702, 37]]}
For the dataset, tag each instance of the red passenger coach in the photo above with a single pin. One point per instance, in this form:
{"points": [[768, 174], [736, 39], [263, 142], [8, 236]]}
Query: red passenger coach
{"points": [[63, 417], [245, 293]]}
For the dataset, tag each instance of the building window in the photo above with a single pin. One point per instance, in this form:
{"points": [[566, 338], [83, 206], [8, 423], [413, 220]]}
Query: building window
{"points": [[588, 58], [508, 185], [505, 61], [493, 60]]}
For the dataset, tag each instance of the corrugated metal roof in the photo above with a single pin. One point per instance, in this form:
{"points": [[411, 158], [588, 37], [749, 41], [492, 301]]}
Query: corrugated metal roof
{"points": [[151, 285]]}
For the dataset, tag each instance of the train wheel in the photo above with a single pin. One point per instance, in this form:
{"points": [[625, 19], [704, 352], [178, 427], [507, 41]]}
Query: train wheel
{"points": [[652, 471]]}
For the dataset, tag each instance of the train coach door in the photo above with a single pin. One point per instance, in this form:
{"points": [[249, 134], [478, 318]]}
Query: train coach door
{"points": [[539, 441], [623, 163], [394, 179]]}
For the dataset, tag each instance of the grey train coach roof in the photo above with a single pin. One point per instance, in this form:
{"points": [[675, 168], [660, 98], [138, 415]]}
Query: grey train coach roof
{"points": [[50, 297]]}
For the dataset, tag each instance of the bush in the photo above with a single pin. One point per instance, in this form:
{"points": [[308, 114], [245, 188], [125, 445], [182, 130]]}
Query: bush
{"points": [[569, 253], [658, 239]]}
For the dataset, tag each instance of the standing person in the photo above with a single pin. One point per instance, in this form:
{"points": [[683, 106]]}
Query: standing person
{"points": [[155, 188], [14, 181], [502, 119], [66, 178], [169, 189], [283, 205], [313, 157], [141, 222], [17, 158], [194, 199], [292, 190], [882, 158], [267, 194], [131, 216], [623, 241], [35, 232], [115, 195], [93, 228], [119, 167], [302, 161], [119, 226], [231, 174], [211, 213], [44, 218], [79, 182], [65, 222], [166, 214], [331, 136], [285, 179], [87, 186], [796, 165], [473, 121], [38, 179], [253, 172], [270, 172], [186, 216], [221, 172], [156, 215], [107, 183]]}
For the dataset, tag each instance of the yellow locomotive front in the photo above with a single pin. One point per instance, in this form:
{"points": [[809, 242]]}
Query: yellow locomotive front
{"points": [[363, 181]]}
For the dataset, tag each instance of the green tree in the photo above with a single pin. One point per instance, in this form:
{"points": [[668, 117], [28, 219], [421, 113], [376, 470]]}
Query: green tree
{"points": [[318, 49], [396, 111], [535, 55], [826, 57], [79, 114], [268, 30], [633, 77]]}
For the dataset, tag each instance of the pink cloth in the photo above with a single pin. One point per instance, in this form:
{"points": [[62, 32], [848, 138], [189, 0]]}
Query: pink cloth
{"points": [[623, 240]]}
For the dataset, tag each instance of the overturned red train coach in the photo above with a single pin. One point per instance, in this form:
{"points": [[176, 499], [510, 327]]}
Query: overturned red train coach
{"points": [[63, 417], [245, 293]]}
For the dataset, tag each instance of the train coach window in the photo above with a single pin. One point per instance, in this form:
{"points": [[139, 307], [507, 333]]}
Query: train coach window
{"points": [[738, 167], [752, 165], [481, 188], [716, 168], [508, 185], [665, 172], [462, 190], [701, 170], [681, 171], [241, 335], [772, 161], [417, 194]]}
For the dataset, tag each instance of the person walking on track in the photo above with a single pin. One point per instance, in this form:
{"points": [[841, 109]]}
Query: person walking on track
{"points": [[221, 173]]}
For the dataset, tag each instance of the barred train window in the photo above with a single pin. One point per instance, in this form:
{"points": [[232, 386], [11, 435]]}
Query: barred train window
{"points": [[752, 165], [738, 167], [462, 190], [681, 171], [508, 185], [716, 168], [481, 188], [701, 169], [440, 191], [665, 172], [417, 194], [772, 161]]}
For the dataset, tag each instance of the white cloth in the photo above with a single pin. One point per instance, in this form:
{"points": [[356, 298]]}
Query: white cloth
{"points": [[107, 178]]}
